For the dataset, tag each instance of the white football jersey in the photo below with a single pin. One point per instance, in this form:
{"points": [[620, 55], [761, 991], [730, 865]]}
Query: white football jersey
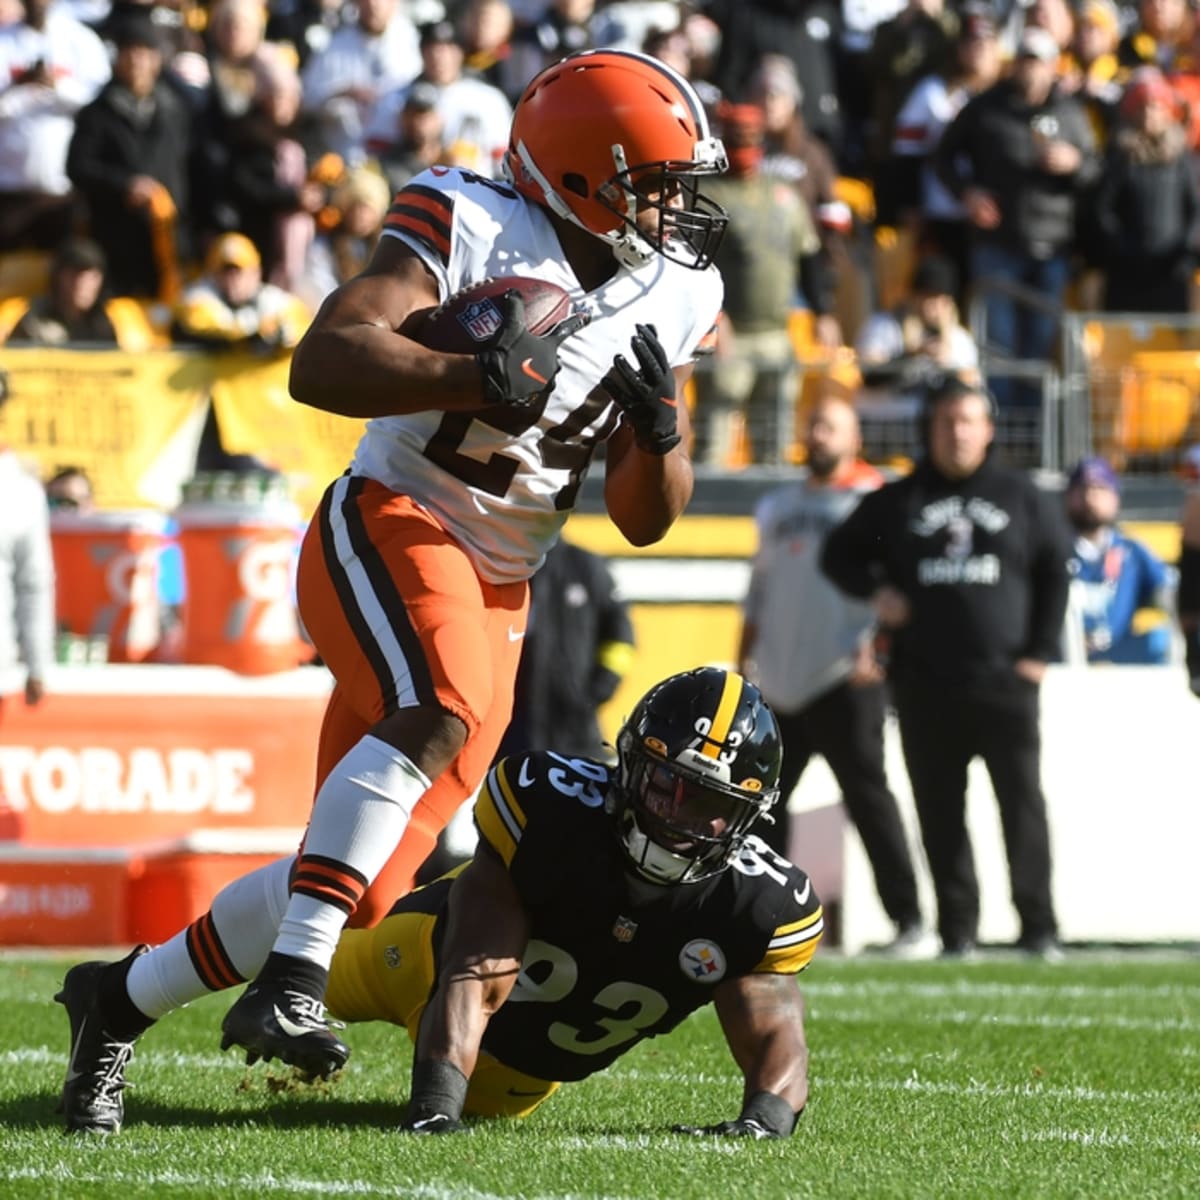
{"points": [[503, 480]]}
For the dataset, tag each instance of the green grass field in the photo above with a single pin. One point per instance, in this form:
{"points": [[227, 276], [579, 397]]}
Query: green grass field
{"points": [[1000, 1078]]}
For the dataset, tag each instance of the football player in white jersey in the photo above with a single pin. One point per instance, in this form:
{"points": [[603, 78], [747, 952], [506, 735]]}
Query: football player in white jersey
{"points": [[413, 577]]}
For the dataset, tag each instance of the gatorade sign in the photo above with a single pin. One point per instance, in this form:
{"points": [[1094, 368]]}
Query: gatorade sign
{"points": [[94, 779], [118, 755]]}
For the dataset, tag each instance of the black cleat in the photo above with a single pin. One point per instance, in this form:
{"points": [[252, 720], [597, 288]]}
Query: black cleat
{"points": [[91, 1095], [272, 1019]]}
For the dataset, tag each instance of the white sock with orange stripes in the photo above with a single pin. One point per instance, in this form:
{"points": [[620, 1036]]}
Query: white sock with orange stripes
{"points": [[360, 814], [225, 946]]}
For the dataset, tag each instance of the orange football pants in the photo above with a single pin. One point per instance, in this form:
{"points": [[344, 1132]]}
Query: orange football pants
{"points": [[399, 615]]}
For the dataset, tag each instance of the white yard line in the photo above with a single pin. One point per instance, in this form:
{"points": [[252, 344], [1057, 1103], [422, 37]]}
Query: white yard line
{"points": [[1006, 1091], [914, 1083], [265, 1184], [662, 1141], [833, 1014], [962, 988], [1105, 1137], [41, 1055]]}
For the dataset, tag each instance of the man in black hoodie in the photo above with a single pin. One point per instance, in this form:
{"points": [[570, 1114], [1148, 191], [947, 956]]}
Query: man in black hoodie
{"points": [[965, 562]]}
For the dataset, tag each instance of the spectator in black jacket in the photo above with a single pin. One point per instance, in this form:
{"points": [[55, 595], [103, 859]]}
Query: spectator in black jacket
{"points": [[578, 646], [269, 188], [1019, 156], [1146, 204], [128, 158], [965, 562]]}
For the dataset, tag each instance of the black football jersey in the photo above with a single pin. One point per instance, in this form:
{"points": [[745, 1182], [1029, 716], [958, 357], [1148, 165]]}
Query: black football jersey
{"points": [[612, 958]]}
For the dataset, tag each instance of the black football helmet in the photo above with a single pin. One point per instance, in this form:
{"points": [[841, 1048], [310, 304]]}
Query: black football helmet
{"points": [[697, 764]]}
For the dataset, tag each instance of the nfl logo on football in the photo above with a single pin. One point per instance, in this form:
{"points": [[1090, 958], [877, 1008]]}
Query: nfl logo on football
{"points": [[481, 319]]}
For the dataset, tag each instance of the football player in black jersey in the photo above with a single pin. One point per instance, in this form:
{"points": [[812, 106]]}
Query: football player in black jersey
{"points": [[612, 902]]}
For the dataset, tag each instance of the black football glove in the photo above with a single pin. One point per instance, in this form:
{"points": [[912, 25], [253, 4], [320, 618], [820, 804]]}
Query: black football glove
{"points": [[431, 1123], [439, 1090], [764, 1115], [746, 1127], [647, 395], [519, 366]]}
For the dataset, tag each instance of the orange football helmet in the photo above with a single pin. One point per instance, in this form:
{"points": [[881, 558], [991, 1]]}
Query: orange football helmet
{"points": [[606, 132]]}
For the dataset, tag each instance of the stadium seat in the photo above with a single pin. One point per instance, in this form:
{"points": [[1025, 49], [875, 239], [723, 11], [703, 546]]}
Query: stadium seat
{"points": [[895, 258], [1142, 379], [1157, 400], [24, 273]]}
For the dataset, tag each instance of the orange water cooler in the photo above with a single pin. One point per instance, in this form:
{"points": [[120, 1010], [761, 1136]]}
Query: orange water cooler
{"points": [[239, 608], [107, 569]]}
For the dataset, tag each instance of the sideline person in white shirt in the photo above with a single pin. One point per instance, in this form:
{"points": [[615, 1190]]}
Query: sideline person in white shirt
{"points": [[810, 650]]}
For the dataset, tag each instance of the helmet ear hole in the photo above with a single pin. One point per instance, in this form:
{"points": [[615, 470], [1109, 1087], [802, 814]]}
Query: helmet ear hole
{"points": [[574, 182]]}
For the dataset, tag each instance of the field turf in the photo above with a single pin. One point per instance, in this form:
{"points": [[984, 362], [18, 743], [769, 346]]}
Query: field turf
{"points": [[1000, 1078]]}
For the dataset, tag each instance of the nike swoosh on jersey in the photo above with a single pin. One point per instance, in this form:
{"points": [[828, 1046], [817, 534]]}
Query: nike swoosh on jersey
{"points": [[524, 779], [515, 635], [527, 369], [290, 1027], [801, 897]]}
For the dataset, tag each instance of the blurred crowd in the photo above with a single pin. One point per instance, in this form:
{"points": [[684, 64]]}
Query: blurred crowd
{"points": [[209, 173]]}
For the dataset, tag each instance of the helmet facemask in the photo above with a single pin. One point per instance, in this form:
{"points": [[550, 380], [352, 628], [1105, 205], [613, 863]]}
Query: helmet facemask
{"points": [[679, 820], [689, 225]]}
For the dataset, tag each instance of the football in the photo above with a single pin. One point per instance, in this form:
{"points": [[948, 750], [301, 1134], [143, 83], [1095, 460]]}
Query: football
{"points": [[467, 321]]}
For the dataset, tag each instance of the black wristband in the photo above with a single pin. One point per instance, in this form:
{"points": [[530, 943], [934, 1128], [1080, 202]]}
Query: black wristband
{"points": [[438, 1086], [1188, 599], [772, 1112], [658, 445]]}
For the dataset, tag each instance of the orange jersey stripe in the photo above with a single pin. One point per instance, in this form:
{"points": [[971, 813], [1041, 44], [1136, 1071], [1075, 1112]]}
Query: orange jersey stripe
{"points": [[426, 215]]}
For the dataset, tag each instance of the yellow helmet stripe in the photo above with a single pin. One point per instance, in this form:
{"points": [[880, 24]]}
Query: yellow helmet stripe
{"points": [[723, 718]]}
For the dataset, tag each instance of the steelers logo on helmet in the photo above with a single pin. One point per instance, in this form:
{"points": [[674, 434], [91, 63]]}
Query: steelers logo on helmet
{"points": [[615, 141], [697, 765], [702, 961]]}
